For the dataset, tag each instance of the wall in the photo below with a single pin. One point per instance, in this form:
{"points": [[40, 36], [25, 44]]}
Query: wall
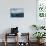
{"points": [[6, 22]]}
